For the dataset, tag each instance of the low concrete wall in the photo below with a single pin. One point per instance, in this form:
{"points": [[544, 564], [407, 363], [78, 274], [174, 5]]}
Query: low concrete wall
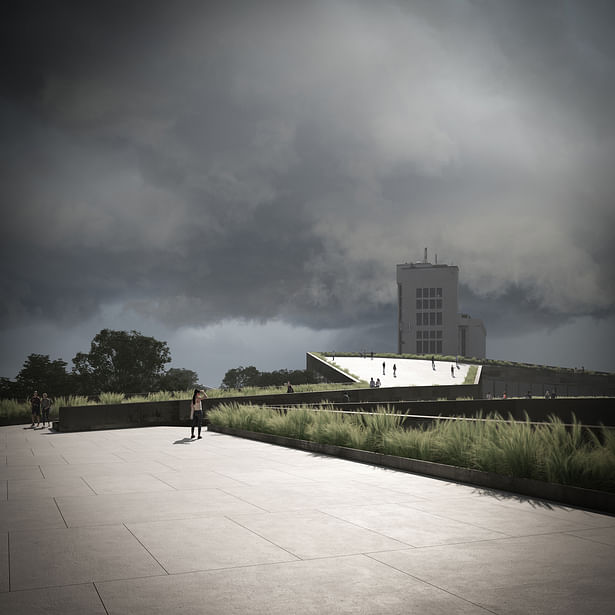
{"points": [[575, 496], [329, 372], [589, 411], [517, 380], [119, 416], [375, 395]]}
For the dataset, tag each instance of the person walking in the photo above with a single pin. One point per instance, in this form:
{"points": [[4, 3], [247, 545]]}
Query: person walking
{"points": [[196, 411], [35, 405], [45, 408], [394, 370], [383, 367]]}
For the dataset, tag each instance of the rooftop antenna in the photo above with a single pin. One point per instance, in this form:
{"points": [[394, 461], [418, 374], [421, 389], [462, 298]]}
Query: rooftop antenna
{"points": [[436, 259], [425, 259]]}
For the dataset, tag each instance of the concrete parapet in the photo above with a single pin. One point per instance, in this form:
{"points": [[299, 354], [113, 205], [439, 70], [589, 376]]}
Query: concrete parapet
{"points": [[117, 416], [517, 380], [376, 395]]}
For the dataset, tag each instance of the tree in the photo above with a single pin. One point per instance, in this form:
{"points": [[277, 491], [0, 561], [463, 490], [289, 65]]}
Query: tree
{"points": [[122, 362], [240, 377], [41, 374], [176, 379], [8, 389]]}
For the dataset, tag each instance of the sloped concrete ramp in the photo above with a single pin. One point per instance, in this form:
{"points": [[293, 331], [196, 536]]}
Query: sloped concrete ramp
{"points": [[407, 372]]}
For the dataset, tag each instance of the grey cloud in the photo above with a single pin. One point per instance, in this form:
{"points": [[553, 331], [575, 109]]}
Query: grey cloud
{"points": [[202, 162]]}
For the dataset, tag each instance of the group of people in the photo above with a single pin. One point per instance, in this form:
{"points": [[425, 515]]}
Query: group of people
{"points": [[40, 408]]}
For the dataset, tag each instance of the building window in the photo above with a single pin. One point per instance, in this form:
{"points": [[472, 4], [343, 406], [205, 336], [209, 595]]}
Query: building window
{"points": [[439, 347], [425, 318], [419, 304], [426, 292], [419, 335], [432, 304], [439, 334], [419, 319], [432, 318], [419, 347], [439, 318], [432, 292], [419, 292], [438, 292], [432, 346], [438, 304]]}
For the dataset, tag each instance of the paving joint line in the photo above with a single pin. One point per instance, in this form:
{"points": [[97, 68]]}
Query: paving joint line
{"points": [[442, 589]]}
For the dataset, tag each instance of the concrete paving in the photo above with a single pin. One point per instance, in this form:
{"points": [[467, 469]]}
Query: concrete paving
{"points": [[408, 372], [148, 521]]}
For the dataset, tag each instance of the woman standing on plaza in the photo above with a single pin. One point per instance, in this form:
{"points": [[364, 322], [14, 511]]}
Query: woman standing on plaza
{"points": [[196, 411]]}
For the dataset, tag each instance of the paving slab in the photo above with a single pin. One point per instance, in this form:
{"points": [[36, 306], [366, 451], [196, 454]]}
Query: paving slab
{"points": [[125, 483], [189, 545], [356, 584], [313, 534], [413, 527], [47, 488], [68, 600], [149, 506], [65, 556], [488, 513], [149, 521], [495, 574], [34, 514]]}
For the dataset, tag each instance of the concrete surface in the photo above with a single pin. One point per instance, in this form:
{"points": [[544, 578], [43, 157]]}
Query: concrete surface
{"points": [[147, 521], [409, 372]]}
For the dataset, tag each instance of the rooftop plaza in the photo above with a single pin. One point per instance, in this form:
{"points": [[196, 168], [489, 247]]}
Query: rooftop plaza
{"points": [[145, 520]]}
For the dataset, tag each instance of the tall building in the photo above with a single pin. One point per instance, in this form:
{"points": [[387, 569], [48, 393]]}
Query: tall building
{"points": [[428, 313]]}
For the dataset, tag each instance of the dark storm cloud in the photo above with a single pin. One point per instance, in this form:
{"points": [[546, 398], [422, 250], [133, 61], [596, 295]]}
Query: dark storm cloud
{"points": [[203, 161]]}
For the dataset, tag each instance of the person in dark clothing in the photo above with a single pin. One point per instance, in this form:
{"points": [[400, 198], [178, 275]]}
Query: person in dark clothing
{"points": [[45, 407], [35, 404], [196, 411]]}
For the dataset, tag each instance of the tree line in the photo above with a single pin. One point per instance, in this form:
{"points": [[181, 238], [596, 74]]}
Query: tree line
{"points": [[118, 361], [130, 363], [240, 377]]}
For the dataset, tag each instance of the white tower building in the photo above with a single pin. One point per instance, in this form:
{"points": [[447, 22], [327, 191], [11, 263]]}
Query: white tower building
{"points": [[428, 318]]}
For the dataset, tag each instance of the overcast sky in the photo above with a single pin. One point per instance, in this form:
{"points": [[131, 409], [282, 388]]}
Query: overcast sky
{"points": [[239, 179]]}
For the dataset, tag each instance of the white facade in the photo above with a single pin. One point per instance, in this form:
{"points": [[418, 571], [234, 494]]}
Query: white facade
{"points": [[428, 314]]}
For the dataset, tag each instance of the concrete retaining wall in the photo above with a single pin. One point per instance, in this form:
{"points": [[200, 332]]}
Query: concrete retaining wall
{"points": [[517, 380], [590, 411], [119, 416], [328, 372], [376, 396]]}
